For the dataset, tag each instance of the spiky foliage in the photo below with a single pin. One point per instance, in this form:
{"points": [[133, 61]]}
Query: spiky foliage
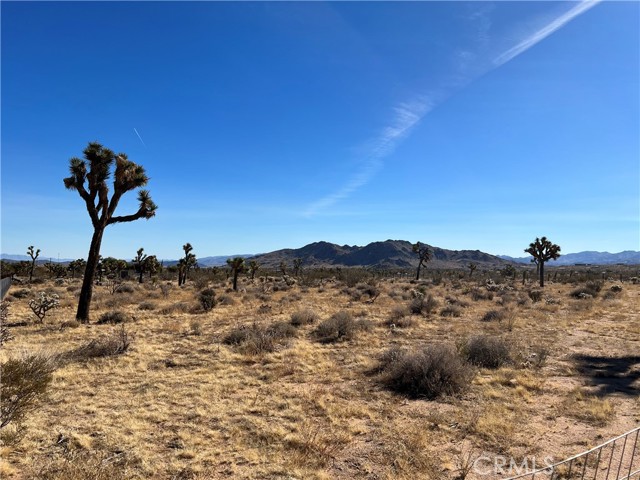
{"points": [[139, 262], [542, 250], [34, 256], [472, 268], [76, 266], [89, 178], [152, 265], [297, 265], [254, 266], [186, 263], [424, 255], [237, 266]]}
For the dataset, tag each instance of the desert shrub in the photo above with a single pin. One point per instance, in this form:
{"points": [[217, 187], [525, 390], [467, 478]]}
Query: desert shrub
{"points": [[456, 301], [430, 372], [264, 309], [227, 300], [535, 295], [179, 307], [486, 351], [399, 322], [479, 294], [616, 288], [304, 316], [5, 335], [339, 327], [588, 290], [207, 299], [124, 288], [398, 312], [423, 305], [114, 317], [147, 306], [69, 324], [195, 326], [114, 343], [255, 339], [24, 382], [165, 288], [493, 316], [451, 311], [369, 289], [22, 293]]}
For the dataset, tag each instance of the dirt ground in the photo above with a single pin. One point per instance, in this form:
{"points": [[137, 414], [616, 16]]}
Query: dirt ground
{"points": [[180, 403]]}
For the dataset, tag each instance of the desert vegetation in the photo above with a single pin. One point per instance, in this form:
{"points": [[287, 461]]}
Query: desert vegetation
{"points": [[340, 373]]}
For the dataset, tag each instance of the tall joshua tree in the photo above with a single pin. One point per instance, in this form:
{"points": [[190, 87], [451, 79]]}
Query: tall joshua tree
{"points": [[140, 262], [297, 265], [89, 178], [237, 266], [185, 264], [424, 256], [542, 250], [34, 256]]}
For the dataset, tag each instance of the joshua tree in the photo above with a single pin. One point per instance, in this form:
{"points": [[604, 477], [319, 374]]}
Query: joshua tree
{"points": [[254, 266], [89, 178], [112, 266], [185, 264], [424, 256], [542, 250], [237, 266], [75, 266], [33, 256], [152, 265], [472, 268], [297, 264], [140, 261], [283, 267]]}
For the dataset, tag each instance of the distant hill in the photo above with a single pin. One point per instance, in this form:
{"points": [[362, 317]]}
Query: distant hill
{"points": [[10, 257], [216, 261], [628, 257], [387, 254]]}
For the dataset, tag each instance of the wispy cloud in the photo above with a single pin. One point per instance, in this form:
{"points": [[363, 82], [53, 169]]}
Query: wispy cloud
{"points": [[544, 32], [145, 145], [468, 66], [406, 116]]}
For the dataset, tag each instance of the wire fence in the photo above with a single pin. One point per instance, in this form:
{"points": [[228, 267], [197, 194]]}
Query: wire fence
{"points": [[616, 459]]}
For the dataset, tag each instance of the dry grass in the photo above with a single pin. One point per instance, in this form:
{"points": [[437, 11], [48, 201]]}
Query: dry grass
{"points": [[180, 403]]}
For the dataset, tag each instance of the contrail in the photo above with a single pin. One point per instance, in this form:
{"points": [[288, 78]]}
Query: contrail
{"points": [[544, 32], [145, 146], [407, 115]]}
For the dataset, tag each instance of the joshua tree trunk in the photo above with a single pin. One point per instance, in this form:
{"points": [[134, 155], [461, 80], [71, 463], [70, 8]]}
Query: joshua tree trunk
{"points": [[141, 274], [89, 274], [235, 279], [418, 272], [541, 267]]}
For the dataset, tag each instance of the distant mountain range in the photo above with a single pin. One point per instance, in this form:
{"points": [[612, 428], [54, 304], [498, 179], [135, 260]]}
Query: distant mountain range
{"points": [[388, 254], [628, 257]]}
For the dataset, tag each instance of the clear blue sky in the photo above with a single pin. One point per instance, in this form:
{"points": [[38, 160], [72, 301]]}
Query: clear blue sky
{"points": [[272, 125]]}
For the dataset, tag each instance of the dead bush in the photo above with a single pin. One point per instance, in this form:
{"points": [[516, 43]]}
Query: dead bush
{"points": [[430, 372], [486, 351], [114, 317], [147, 306], [339, 327], [494, 316], [305, 316], [451, 311], [115, 343], [423, 305], [256, 339], [535, 295], [24, 383]]}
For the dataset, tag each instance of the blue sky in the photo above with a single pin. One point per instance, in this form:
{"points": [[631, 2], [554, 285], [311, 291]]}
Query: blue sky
{"points": [[265, 125]]}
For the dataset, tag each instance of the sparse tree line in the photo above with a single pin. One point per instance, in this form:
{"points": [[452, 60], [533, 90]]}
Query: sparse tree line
{"points": [[90, 176]]}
